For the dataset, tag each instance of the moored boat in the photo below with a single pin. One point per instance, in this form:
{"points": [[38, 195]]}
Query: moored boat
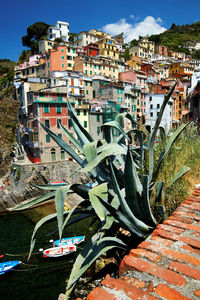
{"points": [[8, 265], [70, 241], [59, 251]]}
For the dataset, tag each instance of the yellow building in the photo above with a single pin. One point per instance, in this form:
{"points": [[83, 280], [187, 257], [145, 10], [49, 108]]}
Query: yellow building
{"points": [[96, 66], [135, 62], [100, 33], [107, 48], [145, 43], [181, 68]]}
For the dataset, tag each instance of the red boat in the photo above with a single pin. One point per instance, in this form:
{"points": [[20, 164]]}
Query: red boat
{"points": [[59, 251]]}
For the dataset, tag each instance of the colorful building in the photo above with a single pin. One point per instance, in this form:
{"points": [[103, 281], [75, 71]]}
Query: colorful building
{"points": [[60, 30], [107, 48], [96, 66], [85, 38], [91, 50], [60, 59]]}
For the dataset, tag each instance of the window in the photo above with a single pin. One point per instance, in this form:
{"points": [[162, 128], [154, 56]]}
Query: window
{"points": [[62, 57], [59, 121], [53, 154], [151, 106], [90, 65], [85, 124], [79, 102], [48, 64], [85, 112], [62, 50], [100, 91], [87, 92], [158, 105], [117, 91], [90, 83], [86, 64], [47, 138], [68, 49], [86, 83], [47, 123], [46, 108], [62, 154], [86, 72], [151, 114], [63, 65], [150, 98], [58, 109], [98, 118], [78, 112], [98, 130], [90, 72], [60, 135]]}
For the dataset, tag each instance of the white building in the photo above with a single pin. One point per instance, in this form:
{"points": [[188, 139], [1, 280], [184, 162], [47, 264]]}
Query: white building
{"points": [[60, 30], [85, 38], [153, 105], [194, 80]]}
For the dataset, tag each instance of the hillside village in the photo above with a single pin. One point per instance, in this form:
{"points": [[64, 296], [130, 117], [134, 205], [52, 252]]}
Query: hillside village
{"points": [[90, 71]]}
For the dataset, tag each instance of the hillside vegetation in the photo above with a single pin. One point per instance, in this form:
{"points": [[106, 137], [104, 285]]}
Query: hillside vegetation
{"points": [[176, 37]]}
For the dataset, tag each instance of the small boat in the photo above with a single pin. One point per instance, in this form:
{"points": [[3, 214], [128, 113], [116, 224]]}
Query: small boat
{"points": [[59, 251], [69, 241], [8, 265]]}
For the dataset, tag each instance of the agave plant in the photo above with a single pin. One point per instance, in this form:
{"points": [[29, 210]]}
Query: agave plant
{"points": [[122, 196]]}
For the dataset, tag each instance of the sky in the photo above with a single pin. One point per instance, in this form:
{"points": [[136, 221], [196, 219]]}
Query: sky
{"points": [[133, 17]]}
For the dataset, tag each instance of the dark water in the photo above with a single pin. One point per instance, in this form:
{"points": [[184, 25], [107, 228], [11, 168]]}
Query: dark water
{"points": [[40, 278]]}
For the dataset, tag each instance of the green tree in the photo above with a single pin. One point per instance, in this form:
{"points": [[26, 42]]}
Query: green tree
{"points": [[34, 33], [196, 54]]}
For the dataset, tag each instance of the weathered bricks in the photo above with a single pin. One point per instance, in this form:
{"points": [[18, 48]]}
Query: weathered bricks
{"points": [[100, 294], [189, 206], [168, 293], [182, 225], [163, 256], [143, 253], [184, 219], [170, 228], [130, 262], [169, 235], [184, 269], [164, 242], [131, 291], [170, 253]]}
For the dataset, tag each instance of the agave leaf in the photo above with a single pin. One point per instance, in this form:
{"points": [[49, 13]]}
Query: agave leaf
{"points": [[59, 202], [31, 203], [50, 187], [72, 139], [145, 203], [115, 149], [62, 144], [154, 132], [81, 132], [37, 226], [163, 136], [120, 119], [182, 171], [90, 152], [134, 123], [79, 261], [81, 190], [134, 227], [159, 189], [115, 125], [102, 191], [129, 215], [132, 185], [140, 139], [89, 254]]}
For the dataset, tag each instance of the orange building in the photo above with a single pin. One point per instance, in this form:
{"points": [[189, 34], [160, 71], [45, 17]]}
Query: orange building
{"points": [[60, 59]]}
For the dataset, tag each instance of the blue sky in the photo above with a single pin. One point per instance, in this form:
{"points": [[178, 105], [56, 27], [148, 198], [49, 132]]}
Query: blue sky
{"points": [[113, 16]]}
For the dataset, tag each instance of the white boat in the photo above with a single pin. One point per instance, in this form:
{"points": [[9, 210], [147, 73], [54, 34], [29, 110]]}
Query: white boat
{"points": [[75, 240], [59, 251]]}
